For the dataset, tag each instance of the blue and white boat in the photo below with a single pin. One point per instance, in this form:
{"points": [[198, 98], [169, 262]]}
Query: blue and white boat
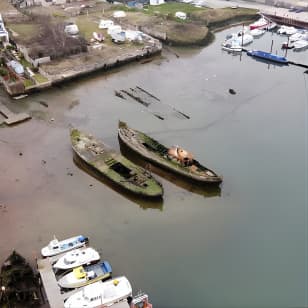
{"points": [[84, 275], [267, 56], [56, 247]]}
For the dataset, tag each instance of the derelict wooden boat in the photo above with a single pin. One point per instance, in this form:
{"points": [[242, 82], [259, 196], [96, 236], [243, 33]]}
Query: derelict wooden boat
{"points": [[19, 284], [174, 159], [114, 166]]}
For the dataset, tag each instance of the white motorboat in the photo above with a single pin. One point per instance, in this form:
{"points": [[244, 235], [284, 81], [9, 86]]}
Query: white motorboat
{"points": [[300, 45], [76, 258], [55, 247], [231, 46], [84, 275], [261, 23], [271, 26], [257, 32], [101, 294], [242, 39], [286, 30], [301, 35], [245, 39]]}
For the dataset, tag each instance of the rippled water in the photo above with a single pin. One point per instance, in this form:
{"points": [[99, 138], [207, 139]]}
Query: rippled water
{"points": [[242, 245]]}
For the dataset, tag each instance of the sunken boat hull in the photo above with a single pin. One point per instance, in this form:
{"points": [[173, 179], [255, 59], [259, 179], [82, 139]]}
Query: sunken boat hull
{"points": [[113, 166], [158, 154], [20, 286]]}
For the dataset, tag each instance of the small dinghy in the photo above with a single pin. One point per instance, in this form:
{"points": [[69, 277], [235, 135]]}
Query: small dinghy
{"points": [[257, 32], [300, 45], [84, 275], [101, 294], [232, 46], [76, 258], [56, 247]]}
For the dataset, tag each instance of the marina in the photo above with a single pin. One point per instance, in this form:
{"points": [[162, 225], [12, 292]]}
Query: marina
{"points": [[247, 118], [57, 297]]}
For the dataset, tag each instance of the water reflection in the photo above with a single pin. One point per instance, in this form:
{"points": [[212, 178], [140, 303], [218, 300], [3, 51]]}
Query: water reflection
{"points": [[203, 189], [143, 203]]}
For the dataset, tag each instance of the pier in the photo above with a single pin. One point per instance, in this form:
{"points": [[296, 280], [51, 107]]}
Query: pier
{"points": [[11, 117], [50, 284], [55, 296]]}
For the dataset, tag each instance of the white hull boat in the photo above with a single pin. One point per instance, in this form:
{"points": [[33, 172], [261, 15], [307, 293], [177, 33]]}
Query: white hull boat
{"points": [[257, 32], [261, 23], [271, 26], [101, 294], [285, 30], [242, 39], [56, 247], [300, 45], [299, 36], [77, 258], [84, 275], [231, 46]]}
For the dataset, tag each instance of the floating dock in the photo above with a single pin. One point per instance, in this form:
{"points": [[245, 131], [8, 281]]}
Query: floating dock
{"points": [[289, 19], [11, 117], [50, 284], [52, 290]]}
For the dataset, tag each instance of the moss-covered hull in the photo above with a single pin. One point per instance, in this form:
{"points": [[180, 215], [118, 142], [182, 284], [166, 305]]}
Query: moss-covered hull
{"points": [[115, 167], [157, 154]]}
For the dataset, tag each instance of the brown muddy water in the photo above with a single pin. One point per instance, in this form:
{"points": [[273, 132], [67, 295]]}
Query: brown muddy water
{"points": [[241, 245]]}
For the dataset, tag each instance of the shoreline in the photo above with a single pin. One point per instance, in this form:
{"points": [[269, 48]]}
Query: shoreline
{"points": [[198, 32]]}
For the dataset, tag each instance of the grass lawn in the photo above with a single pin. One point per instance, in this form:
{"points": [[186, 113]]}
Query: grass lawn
{"points": [[86, 26], [40, 78], [25, 31], [24, 62], [171, 8], [28, 83]]}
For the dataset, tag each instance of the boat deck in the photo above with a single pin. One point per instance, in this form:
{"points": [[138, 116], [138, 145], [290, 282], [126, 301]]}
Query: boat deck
{"points": [[53, 291]]}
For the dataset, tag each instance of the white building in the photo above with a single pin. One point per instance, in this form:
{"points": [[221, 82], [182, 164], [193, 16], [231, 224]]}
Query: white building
{"points": [[105, 24], [180, 15], [119, 14], [4, 35], [114, 29], [71, 29], [157, 2]]}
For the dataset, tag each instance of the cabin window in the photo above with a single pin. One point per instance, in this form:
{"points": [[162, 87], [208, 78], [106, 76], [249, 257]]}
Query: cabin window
{"points": [[121, 169]]}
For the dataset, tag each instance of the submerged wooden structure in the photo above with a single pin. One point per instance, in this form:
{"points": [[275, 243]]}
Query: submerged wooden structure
{"points": [[174, 159], [115, 167], [19, 284]]}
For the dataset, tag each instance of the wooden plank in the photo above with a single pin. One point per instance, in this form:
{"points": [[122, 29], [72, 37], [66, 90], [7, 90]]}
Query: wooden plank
{"points": [[50, 284], [11, 117]]}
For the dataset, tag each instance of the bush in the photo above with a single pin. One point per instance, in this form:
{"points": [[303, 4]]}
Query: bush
{"points": [[10, 47]]}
